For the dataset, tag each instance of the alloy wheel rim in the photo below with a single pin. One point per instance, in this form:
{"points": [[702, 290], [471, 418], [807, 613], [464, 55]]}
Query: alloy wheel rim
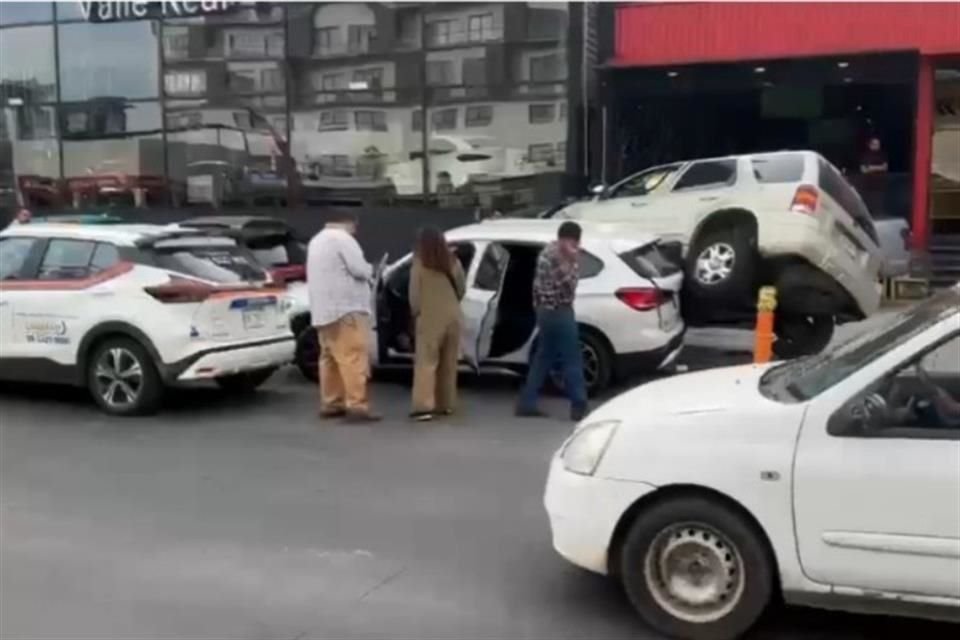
{"points": [[591, 367], [694, 573], [119, 377], [715, 263]]}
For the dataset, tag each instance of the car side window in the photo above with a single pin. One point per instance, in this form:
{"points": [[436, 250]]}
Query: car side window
{"points": [[643, 183], [66, 260], [14, 254], [590, 265], [104, 256], [919, 399], [490, 270], [710, 173], [464, 251]]}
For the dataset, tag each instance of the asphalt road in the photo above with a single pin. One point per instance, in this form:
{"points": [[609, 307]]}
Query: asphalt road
{"points": [[249, 519]]}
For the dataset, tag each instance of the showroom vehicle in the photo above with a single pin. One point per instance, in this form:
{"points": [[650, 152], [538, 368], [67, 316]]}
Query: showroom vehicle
{"points": [[832, 480], [787, 219], [627, 302], [127, 310]]}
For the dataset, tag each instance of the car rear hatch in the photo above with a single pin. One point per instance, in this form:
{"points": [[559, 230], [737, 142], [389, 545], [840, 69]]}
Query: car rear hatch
{"points": [[225, 292], [662, 278]]}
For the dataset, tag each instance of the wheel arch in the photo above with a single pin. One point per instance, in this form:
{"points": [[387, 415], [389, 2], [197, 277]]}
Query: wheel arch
{"points": [[299, 322], [671, 492], [727, 217], [113, 329]]}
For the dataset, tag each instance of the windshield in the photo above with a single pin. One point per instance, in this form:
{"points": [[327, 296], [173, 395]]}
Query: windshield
{"points": [[221, 263], [806, 378]]}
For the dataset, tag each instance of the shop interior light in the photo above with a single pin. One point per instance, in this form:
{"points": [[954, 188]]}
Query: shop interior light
{"points": [[848, 79], [843, 64], [15, 102], [759, 69], [672, 74]]}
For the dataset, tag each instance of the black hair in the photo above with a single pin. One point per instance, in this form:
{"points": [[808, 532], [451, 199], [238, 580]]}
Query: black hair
{"points": [[569, 231]]}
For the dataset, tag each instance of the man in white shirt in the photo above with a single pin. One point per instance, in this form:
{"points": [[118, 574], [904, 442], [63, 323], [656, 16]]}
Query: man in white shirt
{"points": [[338, 281]]}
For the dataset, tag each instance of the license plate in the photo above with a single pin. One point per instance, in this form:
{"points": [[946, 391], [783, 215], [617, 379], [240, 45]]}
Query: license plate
{"points": [[253, 320]]}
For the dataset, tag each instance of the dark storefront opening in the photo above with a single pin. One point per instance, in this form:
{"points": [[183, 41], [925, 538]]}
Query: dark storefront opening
{"points": [[832, 106]]}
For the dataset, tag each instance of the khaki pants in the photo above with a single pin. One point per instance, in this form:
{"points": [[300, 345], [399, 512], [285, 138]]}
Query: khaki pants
{"points": [[435, 365], [344, 364]]}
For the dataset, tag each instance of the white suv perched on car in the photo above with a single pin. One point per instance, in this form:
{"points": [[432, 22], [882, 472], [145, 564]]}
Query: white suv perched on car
{"points": [[787, 219], [627, 302], [126, 310]]}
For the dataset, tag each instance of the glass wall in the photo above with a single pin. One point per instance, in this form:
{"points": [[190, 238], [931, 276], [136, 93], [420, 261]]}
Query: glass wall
{"points": [[454, 105], [945, 150]]}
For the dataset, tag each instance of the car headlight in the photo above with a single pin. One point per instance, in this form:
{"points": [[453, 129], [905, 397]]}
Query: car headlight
{"points": [[585, 448]]}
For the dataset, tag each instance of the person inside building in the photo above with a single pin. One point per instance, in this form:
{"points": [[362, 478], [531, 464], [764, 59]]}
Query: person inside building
{"points": [[436, 288], [338, 282], [874, 159]]}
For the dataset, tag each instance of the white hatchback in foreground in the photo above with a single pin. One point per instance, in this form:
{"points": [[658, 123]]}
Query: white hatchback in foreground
{"points": [[126, 310], [834, 479]]}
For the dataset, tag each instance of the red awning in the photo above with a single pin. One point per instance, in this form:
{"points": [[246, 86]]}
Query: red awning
{"points": [[655, 34]]}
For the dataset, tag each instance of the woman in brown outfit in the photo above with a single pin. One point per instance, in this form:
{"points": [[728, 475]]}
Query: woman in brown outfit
{"points": [[436, 287]]}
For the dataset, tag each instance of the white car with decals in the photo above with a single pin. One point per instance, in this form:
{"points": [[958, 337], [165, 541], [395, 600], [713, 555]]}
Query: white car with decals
{"points": [[627, 302], [126, 310], [833, 480]]}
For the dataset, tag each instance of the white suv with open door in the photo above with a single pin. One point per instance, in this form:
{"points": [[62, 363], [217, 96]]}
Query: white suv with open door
{"points": [[627, 302], [126, 310], [787, 219]]}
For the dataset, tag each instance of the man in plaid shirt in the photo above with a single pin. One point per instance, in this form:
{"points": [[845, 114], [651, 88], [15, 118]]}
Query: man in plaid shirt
{"points": [[558, 341]]}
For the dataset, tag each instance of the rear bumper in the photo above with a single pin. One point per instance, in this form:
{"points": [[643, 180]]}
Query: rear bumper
{"points": [[629, 364], [227, 360]]}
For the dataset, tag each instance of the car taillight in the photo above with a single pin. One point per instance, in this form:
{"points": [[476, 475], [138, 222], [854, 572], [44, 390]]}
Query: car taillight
{"points": [[805, 200], [641, 298], [180, 291], [295, 273]]}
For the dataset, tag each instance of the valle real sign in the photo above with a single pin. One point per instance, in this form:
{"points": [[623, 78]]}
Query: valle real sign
{"points": [[136, 10]]}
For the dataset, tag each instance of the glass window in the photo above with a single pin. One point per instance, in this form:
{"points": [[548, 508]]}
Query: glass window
{"points": [[475, 72], [66, 260], [360, 37], [710, 173], [24, 12], [215, 263], [326, 40], [479, 115], [27, 71], [541, 113], [589, 265], [444, 119], [371, 120], [837, 187], [480, 28], [547, 68], [778, 168], [490, 270], [334, 120], [185, 83], [540, 152], [118, 60], [440, 72], [440, 32], [104, 257], [642, 183], [13, 256], [113, 153]]}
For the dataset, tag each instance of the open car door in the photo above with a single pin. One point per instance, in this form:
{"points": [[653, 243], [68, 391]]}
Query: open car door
{"points": [[376, 284], [480, 304]]}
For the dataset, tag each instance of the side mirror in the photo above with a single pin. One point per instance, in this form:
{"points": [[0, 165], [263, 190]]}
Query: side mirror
{"points": [[598, 189], [860, 416]]}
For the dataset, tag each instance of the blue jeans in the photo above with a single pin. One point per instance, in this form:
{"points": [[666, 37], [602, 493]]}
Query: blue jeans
{"points": [[558, 343]]}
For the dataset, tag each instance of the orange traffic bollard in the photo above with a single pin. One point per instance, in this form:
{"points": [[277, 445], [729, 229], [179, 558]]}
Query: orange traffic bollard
{"points": [[763, 336]]}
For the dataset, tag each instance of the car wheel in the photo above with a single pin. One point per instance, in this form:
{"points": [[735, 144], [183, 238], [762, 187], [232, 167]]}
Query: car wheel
{"points": [[245, 382], [597, 365], [720, 264], [123, 379], [799, 335], [307, 355], [694, 568]]}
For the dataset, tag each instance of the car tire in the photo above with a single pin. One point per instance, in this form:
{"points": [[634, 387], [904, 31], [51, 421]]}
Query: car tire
{"points": [[734, 569], [307, 354], [246, 382], [800, 335], [720, 265], [597, 365], [123, 379]]}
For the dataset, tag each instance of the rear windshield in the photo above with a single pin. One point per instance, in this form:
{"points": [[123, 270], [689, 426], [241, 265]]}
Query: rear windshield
{"points": [[277, 250], [778, 169], [650, 262], [837, 187], [225, 264]]}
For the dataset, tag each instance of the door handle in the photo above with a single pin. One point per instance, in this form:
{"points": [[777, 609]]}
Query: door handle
{"points": [[709, 198], [638, 204]]}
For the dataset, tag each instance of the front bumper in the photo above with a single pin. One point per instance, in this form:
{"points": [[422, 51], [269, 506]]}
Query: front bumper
{"points": [[584, 512], [223, 361], [630, 364]]}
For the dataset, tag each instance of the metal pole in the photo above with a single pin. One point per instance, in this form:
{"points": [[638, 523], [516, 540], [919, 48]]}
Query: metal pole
{"points": [[424, 100]]}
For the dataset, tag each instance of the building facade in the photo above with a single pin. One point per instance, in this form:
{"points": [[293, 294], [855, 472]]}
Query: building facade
{"points": [[239, 104]]}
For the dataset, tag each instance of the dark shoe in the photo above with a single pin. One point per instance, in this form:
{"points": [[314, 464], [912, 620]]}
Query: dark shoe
{"points": [[361, 417], [422, 416], [329, 414], [522, 412], [578, 413]]}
